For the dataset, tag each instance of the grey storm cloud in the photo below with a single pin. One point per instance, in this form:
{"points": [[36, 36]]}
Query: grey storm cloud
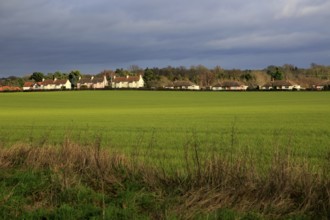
{"points": [[50, 35]]}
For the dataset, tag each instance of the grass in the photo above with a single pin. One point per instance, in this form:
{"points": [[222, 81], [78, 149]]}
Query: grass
{"points": [[168, 155], [79, 182]]}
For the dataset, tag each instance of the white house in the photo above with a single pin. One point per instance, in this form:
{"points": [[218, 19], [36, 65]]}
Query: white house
{"points": [[28, 86], [229, 85], [93, 83], [55, 84], [99, 83], [281, 85], [321, 86], [127, 82], [187, 85], [62, 84], [48, 84], [85, 83]]}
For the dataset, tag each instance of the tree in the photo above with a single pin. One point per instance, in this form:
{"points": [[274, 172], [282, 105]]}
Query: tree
{"points": [[246, 77], [149, 76], [275, 72], [219, 72], [37, 76], [135, 69], [12, 81], [122, 72], [60, 75], [206, 77], [109, 74], [74, 76]]}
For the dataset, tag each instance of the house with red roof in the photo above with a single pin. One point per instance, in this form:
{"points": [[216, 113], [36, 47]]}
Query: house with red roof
{"points": [[29, 86]]}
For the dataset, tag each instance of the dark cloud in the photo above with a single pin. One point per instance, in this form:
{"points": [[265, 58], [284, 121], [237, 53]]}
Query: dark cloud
{"points": [[40, 35]]}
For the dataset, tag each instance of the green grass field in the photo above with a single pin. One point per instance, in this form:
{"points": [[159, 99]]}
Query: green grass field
{"points": [[187, 155], [167, 121]]}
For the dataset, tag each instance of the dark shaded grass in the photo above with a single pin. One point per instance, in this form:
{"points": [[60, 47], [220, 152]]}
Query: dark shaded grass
{"points": [[74, 181]]}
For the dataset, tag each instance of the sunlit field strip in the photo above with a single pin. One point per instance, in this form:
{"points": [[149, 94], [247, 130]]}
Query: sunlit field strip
{"points": [[164, 123]]}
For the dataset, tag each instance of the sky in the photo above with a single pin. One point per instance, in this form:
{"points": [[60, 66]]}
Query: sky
{"points": [[95, 35]]}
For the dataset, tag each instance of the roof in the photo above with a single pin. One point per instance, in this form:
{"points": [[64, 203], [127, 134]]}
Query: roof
{"points": [[28, 84], [98, 80], [229, 84], [60, 81], [182, 83], [85, 80], [279, 83], [47, 82]]}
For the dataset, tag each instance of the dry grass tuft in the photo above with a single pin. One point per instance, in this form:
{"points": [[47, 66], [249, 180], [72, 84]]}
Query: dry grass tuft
{"points": [[208, 184]]}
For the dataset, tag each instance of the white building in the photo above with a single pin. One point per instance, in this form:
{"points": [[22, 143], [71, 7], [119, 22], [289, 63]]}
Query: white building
{"points": [[92, 83], [134, 82], [230, 85], [62, 84], [185, 85], [281, 85]]}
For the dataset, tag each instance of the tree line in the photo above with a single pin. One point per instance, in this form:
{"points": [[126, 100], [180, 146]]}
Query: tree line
{"points": [[201, 75]]}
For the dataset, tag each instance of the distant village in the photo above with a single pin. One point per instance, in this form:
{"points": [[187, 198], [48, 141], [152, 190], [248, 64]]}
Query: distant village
{"points": [[285, 78]]}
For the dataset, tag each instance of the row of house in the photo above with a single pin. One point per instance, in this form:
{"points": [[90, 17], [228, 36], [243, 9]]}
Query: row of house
{"points": [[133, 82], [182, 85], [49, 84], [227, 85], [234, 86], [281, 85]]}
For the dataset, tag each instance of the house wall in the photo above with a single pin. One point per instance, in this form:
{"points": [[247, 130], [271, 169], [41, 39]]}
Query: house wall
{"points": [[235, 88], [88, 85], [67, 85], [101, 85], [193, 87], [126, 84], [140, 83], [27, 88], [49, 87], [218, 88]]}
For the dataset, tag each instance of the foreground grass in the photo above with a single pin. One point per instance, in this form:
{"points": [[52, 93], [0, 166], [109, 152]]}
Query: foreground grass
{"points": [[78, 182]]}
